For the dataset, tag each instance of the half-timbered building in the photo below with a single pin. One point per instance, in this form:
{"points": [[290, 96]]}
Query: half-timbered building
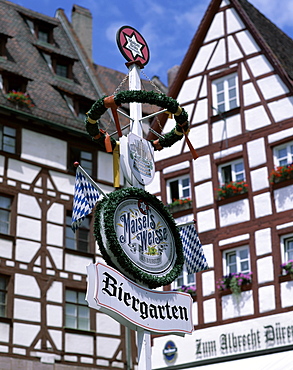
{"points": [[235, 82], [47, 84]]}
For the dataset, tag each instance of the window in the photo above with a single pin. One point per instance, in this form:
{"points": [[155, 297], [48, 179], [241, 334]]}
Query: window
{"points": [[5, 211], [77, 313], [225, 93], [7, 139], [62, 66], [84, 158], [237, 260], [232, 171], [287, 248], [3, 295], [3, 42], [80, 239], [42, 30], [178, 188], [283, 154], [184, 279], [13, 82]]}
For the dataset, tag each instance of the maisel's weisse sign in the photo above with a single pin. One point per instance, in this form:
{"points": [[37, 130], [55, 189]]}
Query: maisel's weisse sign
{"points": [[135, 306]]}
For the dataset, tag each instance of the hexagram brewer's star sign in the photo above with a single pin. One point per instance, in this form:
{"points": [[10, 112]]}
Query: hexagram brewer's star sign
{"points": [[132, 45]]}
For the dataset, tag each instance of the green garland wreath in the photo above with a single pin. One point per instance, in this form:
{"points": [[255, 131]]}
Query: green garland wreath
{"points": [[111, 203], [139, 96]]}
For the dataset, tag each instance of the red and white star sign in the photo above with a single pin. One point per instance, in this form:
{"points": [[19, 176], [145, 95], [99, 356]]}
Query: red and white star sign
{"points": [[132, 45]]}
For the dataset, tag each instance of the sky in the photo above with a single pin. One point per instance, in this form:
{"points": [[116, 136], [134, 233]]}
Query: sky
{"points": [[168, 26]]}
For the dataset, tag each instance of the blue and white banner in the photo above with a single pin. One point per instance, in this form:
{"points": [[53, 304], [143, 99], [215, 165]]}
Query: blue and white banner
{"points": [[194, 258], [86, 195]]}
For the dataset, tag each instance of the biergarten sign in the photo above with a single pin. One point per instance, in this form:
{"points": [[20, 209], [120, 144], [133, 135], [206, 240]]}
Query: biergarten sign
{"points": [[135, 306]]}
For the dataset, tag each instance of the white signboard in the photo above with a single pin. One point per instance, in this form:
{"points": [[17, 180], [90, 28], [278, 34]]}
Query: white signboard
{"points": [[134, 306]]}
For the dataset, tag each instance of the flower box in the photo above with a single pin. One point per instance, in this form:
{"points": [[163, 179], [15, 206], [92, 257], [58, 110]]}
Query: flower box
{"points": [[231, 189], [20, 98], [179, 205], [234, 282], [281, 173], [190, 289], [288, 268]]}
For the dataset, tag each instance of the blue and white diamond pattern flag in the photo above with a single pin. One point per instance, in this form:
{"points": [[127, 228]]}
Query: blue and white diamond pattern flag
{"points": [[194, 257], [86, 195]]}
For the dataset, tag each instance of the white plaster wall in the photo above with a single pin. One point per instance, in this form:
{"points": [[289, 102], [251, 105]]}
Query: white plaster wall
{"points": [[194, 312], [234, 52], [28, 228], [167, 152], [55, 292], [79, 344], [57, 256], [225, 152], [266, 296], [53, 151], [189, 90], [27, 310], [54, 234], [107, 346], [208, 251], [281, 109], [54, 315], [26, 285], [283, 134], [56, 335], [233, 306], [28, 206], [56, 213], [22, 171], [219, 56], [234, 23], [201, 111], [256, 118], [216, 28], [209, 310], [204, 194], [263, 241], [202, 168], [24, 334], [6, 248], [208, 283], [201, 59], [105, 324], [4, 332], [272, 86], [284, 198], [206, 220], [249, 94], [247, 42], [265, 269], [259, 179], [198, 136], [222, 130], [234, 239], [259, 65], [105, 167], [256, 152], [233, 213], [76, 264], [176, 167], [262, 205], [154, 186], [287, 294], [25, 250], [64, 183]]}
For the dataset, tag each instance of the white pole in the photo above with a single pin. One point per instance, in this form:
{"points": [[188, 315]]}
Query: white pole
{"points": [[144, 349], [143, 336]]}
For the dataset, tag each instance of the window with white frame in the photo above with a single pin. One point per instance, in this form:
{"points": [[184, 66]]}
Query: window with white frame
{"points": [[77, 313], [225, 93], [184, 279], [232, 171], [287, 247], [178, 188], [236, 260], [283, 154], [79, 240]]}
